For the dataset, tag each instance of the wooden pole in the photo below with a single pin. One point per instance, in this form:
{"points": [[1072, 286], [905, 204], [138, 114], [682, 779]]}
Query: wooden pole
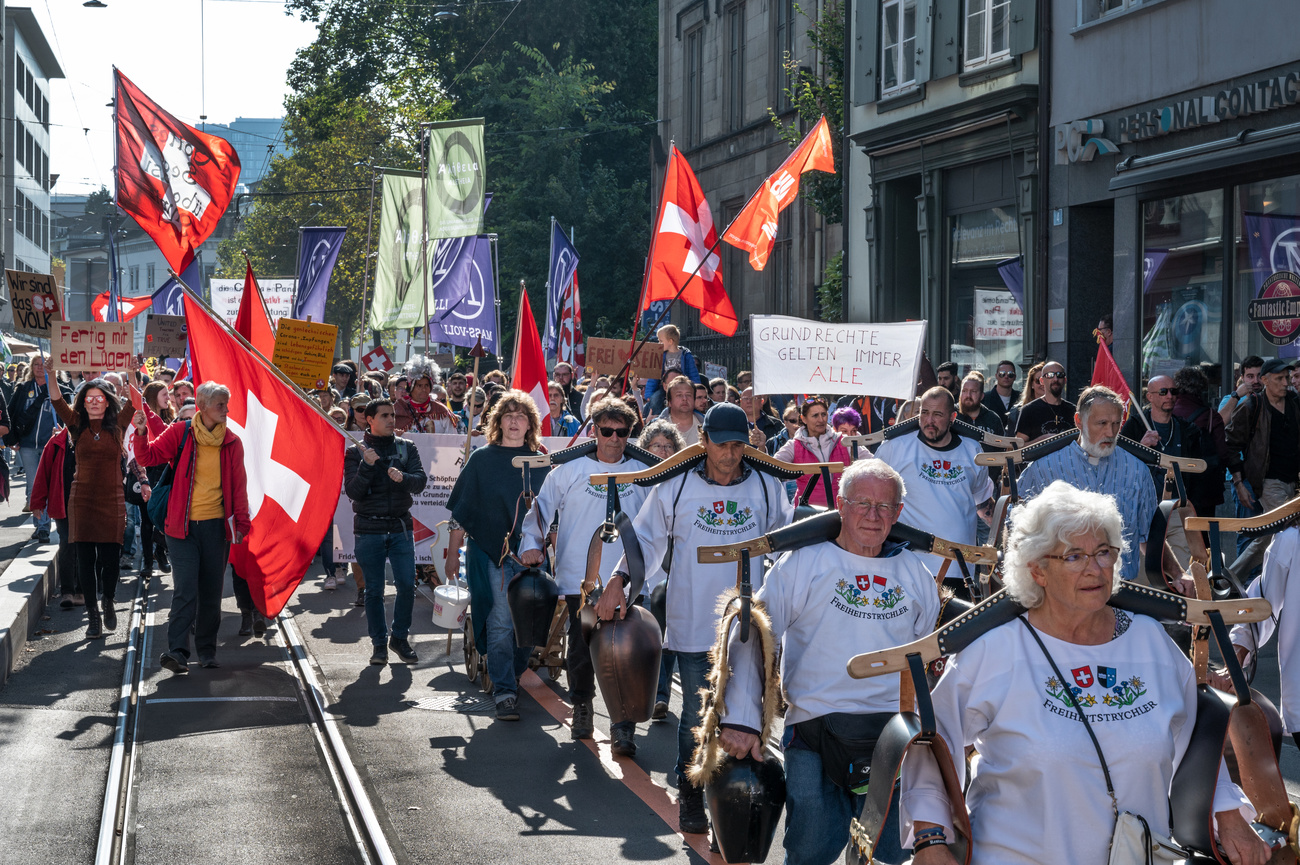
{"points": [[476, 352]]}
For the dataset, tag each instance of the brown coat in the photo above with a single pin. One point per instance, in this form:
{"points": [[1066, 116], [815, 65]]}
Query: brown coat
{"points": [[96, 504]]}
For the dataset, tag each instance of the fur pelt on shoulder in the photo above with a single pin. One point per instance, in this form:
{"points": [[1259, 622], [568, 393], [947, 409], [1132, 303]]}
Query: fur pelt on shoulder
{"points": [[708, 752]]}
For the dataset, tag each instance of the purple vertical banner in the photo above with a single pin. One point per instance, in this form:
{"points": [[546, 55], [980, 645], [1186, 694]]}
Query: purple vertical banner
{"points": [[167, 299], [316, 258], [1152, 261], [1013, 277], [1273, 240], [474, 315], [449, 280]]}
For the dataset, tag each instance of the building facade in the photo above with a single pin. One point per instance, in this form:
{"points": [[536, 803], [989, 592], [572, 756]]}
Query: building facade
{"points": [[943, 203], [720, 73], [1175, 183]]}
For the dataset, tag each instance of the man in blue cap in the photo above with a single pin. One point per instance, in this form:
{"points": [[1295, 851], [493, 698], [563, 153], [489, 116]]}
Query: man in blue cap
{"points": [[721, 500]]}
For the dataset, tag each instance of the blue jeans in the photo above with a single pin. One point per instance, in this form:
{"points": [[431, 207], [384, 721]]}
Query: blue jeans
{"points": [[32, 457], [371, 551], [666, 663], [506, 662], [694, 668], [817, 813]]}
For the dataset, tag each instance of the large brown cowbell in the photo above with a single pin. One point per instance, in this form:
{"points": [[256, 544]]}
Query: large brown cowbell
{"points": [[625, 653]]}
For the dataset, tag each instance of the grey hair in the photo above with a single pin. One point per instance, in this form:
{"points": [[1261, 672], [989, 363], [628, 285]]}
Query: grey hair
{"points": [[1093, 396], [661, 427], [209, 391], [872, 468], [1051, 518]]}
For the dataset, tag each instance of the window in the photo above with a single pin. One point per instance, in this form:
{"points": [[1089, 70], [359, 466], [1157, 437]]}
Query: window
{"points": [[45, 232], [1095, 10], [988, 31], [20, 213], [149, 276], [694, 79], [135, 279], [783, 34], [1267, 221], [898, 45], [735, 23], [20, 77]]}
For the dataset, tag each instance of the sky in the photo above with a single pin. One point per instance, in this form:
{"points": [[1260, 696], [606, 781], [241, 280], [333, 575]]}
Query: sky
{"points": [[156, 43]]}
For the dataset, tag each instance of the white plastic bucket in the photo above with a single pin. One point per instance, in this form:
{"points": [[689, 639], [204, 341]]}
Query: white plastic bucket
{"points": [[451, 599]]}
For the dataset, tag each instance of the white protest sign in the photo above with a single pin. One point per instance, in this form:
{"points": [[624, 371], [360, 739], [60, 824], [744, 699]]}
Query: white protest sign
{"points": [[997, 316], [441, 456], [795, 355], [714, 370], [277, 293]]}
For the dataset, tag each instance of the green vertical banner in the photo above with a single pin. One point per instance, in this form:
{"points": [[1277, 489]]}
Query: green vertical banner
{"points": [[457, 178], [399, 279]]}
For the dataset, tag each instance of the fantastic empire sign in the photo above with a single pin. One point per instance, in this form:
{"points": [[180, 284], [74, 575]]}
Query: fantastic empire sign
{"points": [[1277, 309]]}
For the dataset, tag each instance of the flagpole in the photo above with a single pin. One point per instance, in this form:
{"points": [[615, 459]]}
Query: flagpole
{"points": [[275, 325], [365, 263], [293, 303], [496, 294], [550, 265], [1132, 399], [275, 370], [424, 235]]}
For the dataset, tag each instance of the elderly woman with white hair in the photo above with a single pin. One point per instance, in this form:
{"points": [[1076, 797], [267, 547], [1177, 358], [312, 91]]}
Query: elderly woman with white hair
{"points": [[1038, 792]]}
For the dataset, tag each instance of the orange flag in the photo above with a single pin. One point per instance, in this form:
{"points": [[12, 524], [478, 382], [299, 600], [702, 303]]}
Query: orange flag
{"points": [[253, 322], [754, 228], [1106, 372]]}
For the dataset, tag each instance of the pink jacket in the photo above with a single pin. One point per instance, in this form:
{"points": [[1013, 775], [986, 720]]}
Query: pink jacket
{"points": [[234, 483]]}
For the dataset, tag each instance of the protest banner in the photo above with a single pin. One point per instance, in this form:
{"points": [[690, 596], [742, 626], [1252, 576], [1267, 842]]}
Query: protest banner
{"points": [[277, 293], [795, 355], [36, 301], [713, 370], [607, 356], [164, 336], [304, 351], [442, 457], [90, 346]]}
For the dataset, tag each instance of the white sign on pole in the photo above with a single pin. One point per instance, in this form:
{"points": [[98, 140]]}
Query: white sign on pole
{"points": [[997, 316], [795, 355], [715, 370], [276, 292]]}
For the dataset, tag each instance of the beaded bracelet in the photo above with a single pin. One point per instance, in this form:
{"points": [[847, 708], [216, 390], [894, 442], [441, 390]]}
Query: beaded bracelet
{"points": [[927, 834], [928, 842]]}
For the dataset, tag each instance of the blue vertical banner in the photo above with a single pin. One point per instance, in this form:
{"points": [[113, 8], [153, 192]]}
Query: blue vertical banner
{"points": [[114, 310], [559, 280], [449, 270], [474, 316], [318, 250], [167, 297], [651, 315]]}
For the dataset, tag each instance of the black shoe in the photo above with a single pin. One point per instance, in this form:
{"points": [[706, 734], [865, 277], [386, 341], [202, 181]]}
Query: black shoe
{"points": [[66, 603], [174, 661], [259, 623], [691, 816], [508, 709], [583, 723], [361, 597], [623, 744], [146, 574], [379, 657], [110, 616], [660, 711], [404, 651], [94, 630], [43, 537], [164, 565], [245, 623], [208, 663]]}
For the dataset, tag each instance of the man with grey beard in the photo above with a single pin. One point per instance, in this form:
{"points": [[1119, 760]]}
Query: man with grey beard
{"points": [[1094, 463]]}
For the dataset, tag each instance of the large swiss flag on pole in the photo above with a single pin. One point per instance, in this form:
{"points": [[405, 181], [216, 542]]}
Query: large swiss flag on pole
{"points": [[529, 364], [172, 179], [293, 457]]}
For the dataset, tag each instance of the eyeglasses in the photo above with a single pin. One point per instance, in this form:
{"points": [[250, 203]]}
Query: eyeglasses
{"points": [[1053, 375], [882, 508], [94, 397], [621, 432], [1165, 391], [1076, 562], [1008, 374]]}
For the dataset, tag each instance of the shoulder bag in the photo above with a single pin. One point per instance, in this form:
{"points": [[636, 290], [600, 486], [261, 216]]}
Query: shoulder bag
{"points": [[162, 491]]}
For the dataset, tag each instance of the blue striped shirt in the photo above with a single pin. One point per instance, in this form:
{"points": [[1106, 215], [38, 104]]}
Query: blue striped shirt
{"points": [[1121, 475]]}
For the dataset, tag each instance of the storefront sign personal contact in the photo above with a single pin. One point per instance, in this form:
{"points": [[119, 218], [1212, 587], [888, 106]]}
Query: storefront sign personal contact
{"points": [[795, 355], [1268, 94]]}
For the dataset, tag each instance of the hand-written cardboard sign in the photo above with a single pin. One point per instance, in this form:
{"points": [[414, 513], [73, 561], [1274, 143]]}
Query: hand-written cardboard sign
{"points": [[36, 302], [87, 346], [607, 356], [164, 336], [304, 351], [794, 355]]}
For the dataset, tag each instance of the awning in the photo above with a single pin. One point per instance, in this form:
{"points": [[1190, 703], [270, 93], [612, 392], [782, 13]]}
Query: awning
{"points": [[1282, 142]]}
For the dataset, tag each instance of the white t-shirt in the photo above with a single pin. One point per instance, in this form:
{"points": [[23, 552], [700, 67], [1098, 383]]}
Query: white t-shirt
{"points": [[828, 605], [944, 486], [1037, 793], [707, 514], [581, 506], [1274, 584]]}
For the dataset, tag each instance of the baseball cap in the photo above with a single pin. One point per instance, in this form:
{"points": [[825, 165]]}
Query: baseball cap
{"points": [[726, 422], [1278, 364]]}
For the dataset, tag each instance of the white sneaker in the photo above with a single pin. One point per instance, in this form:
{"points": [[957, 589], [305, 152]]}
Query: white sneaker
{"points": [[331, 582]]}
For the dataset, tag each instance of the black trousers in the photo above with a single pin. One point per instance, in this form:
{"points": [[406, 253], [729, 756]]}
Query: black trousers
{"points": [[243, 595], [198, 571], [151, 539], [97, 563], [577, 661], [66, 559]]}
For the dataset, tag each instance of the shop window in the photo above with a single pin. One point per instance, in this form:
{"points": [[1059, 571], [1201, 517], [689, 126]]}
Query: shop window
{"points": [[1182, 283], [897, 45], [988, 31], [1267, 241], [985, 289]]}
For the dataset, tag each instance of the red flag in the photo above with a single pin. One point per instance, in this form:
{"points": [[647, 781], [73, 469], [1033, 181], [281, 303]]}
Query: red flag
{"points": [[128, 307], [572, 349], [1106, 372], [172, 179], [252, 322], [292, 455], [754, 228], [685, 240], [529, 364]]}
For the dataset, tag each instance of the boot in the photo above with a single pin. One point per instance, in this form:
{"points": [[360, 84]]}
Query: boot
{"points": [[259, 623], [245, 622], [94, 627], [583, 723], [163, 565], [109, 615], [691, 816]]}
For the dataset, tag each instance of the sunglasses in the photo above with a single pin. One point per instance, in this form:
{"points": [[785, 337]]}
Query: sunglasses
{"points": [[1165, 391], [622, 432], [1053, 375], [1010, 374]]}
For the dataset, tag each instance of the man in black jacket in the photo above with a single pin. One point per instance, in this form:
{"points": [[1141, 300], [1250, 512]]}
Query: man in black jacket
{"points": [[381, 475]]}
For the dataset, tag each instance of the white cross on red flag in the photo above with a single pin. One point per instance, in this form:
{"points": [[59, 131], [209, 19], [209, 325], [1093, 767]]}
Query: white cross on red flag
{"points": [[293, 457], [571, 349], [377, 359]]}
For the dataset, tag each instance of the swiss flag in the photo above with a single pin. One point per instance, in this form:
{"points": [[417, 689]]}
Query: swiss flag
{"points": [[253, 322], [684, 244], [529, 363], [292, 454], [172, 179], [571, 348], [377, 359], [128, 307], [754, 228], [1106, 372], [1082, 676]]}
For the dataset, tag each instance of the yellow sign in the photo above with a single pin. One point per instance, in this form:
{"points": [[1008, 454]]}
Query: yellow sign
{"points": [[90, 346], [304, 351]]}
